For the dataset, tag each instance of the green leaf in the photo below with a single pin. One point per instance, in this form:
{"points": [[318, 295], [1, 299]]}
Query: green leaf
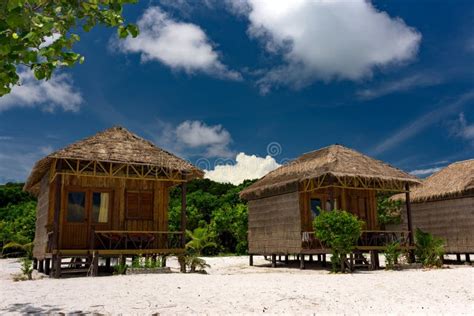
{"points": [[122, 32], [133, 30]]}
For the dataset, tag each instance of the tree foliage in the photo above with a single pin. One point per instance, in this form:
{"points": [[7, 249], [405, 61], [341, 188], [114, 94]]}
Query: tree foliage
{"points": [[28, 26], [429, 249], [216, 207], [340, 231], [388, 210], [17, 216]]}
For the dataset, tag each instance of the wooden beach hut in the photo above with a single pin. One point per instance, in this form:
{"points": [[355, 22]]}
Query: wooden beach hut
{"points": [[283, 204], [106, 196], [444, 206]]}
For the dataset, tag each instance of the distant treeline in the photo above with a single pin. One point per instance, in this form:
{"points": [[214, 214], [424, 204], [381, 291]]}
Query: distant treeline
{"points": [[216, 206]]}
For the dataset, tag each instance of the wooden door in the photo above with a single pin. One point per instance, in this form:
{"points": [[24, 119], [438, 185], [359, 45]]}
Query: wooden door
{"points": [[83, 211], [75, 228]]}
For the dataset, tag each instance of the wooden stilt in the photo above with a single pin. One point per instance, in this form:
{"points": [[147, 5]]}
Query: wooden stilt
{"points": [[35, 264], [47, 266], [302, 262], [458, 258], [468, 258], [310, 258], [41, 266], [409, 222], [107, 264], [56, 273], [122, 260], [95, 264], [250, 260], [163, 261], [279, 258], [324, 260], [286, 259], [274, 261]]}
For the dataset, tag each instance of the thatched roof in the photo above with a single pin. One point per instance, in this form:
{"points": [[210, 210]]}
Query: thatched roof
{"points": [[117, 145], [454, 180], [335, 160]]}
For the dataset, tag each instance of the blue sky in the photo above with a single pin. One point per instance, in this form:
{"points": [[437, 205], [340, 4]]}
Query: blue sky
{"points": [[214, 81]]}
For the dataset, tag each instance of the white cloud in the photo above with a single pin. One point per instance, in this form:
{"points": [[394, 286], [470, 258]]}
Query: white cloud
{"points": [[193, 138], [48, 40], [461, 128], [246, 167], [326, 40], [421, 123], [179, 45], [47, 95], [403, 84], [425, 172]]}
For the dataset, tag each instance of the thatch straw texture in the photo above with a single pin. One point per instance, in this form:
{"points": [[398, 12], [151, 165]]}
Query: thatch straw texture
{"points": [[455, 180], [117, 145], [335, 160]]}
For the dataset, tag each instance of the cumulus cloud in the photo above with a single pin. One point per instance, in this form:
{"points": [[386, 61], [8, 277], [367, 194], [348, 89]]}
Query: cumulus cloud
{"points": [[245, 167], [193, 138], [425, 172], [178, 45], [403, 84], [195, 134], [57, 92], [326, 40]]}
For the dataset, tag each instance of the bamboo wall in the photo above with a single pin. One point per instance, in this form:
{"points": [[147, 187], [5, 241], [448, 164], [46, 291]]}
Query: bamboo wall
{"points": [[41, 233], [275, 225], [450, 219]]}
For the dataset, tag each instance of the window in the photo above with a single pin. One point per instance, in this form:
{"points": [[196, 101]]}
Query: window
{"points": [[100, 207], [139, 205], [76, 207], [315, 207]]}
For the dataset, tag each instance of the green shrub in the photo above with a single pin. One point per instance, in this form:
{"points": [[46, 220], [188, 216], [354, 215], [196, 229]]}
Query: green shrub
{"points": [[120, 268], [429, 249], [340, 231], [392, 253]]}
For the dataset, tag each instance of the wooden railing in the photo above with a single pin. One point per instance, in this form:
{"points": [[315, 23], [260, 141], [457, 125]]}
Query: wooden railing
{"points": [[369, 238], [136, 240]]}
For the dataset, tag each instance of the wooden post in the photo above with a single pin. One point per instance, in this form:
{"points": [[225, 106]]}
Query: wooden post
{"points": [[468, 258], [56, 267], [302, 262], [95, 264], [310, 258], [47, 266], [107, 264], [35, 264], [41, 266], [183, 215], [351, 261], [274, 261], [409, 221], [324, 260], [163, 261], [458, 258], [286, 259], [250, 260]]}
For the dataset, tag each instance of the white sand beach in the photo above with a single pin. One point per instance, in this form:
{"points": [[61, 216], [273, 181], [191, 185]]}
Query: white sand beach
{"points": [[232, 287]]}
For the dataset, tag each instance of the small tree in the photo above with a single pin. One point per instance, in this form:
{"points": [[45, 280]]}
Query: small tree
{"points": [[340, 231], [429, 249]]}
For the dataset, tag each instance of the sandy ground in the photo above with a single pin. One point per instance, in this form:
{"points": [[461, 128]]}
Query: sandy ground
{"points": [[233, 287]]}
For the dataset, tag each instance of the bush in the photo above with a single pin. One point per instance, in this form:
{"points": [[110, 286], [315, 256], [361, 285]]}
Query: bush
{"points": [[392, 253], [340, 231], [429, 249]]}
